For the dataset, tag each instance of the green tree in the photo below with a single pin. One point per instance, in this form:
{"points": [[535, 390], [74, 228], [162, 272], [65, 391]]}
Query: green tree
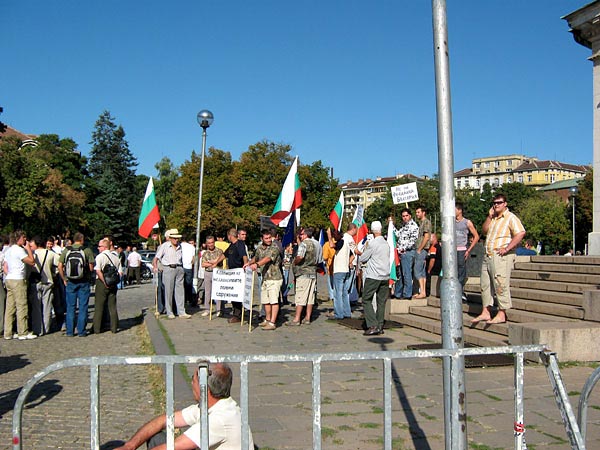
{"points": [[115, 196], [163, 188], [217, 194], [320, 194], [41, 185], [545, 219]]}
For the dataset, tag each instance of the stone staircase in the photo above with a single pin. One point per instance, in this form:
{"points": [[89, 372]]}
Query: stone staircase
{"points": [[556, 301]]}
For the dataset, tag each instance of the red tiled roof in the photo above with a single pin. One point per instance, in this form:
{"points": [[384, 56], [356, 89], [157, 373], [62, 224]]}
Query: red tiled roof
{"points": [[10, 131], [464, 172], [550, 164]]}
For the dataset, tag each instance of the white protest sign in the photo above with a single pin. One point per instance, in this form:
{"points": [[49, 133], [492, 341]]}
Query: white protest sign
{"points": [[248, 288], [229, 285], [405, 193]]}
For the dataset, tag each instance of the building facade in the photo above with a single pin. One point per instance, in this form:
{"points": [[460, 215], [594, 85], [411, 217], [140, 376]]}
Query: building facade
{"points": [[497, 170]]}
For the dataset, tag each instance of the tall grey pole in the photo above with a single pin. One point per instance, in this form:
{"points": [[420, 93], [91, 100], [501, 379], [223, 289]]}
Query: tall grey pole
{"points": [[197, 258], [455, 423]]}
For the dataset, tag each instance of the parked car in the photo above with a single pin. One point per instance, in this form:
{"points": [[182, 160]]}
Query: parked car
{"points": [[147, 257]]}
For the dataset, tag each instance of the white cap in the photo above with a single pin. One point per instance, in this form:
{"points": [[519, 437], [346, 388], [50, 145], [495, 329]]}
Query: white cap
{"points": [[376, 226]]}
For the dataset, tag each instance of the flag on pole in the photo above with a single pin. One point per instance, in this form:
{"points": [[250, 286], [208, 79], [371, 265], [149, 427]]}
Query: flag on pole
{"points": [[336, 213], [359, 221], [290, 197], [394, 260], [290, 231], [149, 215]]}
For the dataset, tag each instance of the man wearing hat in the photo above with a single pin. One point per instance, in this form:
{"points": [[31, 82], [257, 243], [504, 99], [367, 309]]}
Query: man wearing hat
{"points": [[169, 254], [377, 274]]}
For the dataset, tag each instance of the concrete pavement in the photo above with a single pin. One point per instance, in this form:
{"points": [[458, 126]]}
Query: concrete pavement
{"points": [[280, 394]]}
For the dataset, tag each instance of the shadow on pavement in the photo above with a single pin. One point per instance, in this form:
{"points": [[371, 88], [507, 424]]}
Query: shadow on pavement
{"points": [[39, 394], [416, 432], [13, 362]]}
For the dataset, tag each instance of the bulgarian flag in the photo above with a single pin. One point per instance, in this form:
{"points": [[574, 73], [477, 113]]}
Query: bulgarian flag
{"points": [[149, 215], [394, 260], [359, 221], [290, 197], [336, 213]]}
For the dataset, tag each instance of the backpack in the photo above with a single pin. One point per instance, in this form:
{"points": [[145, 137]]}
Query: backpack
{"points": [[111, 274], [75, 264]]}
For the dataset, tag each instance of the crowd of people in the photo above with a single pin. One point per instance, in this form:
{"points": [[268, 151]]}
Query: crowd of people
{"points": [[46, 286]]}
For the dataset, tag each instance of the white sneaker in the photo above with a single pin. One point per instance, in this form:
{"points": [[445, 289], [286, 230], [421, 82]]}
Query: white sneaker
{"points": [[184, 316], [27, 337], [205, 313], [171, 316]]}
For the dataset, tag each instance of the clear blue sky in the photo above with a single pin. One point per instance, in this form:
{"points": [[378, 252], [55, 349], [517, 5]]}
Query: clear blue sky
{"points": [[348, 82]]}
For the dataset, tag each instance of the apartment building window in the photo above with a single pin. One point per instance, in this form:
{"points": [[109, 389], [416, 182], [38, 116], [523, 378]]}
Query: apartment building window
{"points": [[466, 183], [458, 184], [546, 177], [478, 183], [477, 165], [529, 178], [552, 178], [486, 164], [520, 179], [509, 162], [509, 180], [496, 182], [496, 163]]}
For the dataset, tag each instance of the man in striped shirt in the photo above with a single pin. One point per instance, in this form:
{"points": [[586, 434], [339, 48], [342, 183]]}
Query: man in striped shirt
{"points": [[504, 231]]}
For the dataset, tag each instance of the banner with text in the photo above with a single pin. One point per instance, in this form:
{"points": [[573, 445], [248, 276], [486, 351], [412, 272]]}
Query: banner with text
{"points": [[405, 193], [232, 285]]}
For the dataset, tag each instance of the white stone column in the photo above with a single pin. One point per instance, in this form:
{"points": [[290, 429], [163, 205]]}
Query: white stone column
{"points": [[585, 26], [594, 236]]}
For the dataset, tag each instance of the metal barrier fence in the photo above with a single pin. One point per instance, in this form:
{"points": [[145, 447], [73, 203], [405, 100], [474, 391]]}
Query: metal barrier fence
{"points": [[576, 438]]}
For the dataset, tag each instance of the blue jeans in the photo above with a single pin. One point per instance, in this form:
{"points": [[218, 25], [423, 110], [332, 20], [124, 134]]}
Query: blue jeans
{"points": [[330, 287], [406, 261], [77, 293], [341, 301]]}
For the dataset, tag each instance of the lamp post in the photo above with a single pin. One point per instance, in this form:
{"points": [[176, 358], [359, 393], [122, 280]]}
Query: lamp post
{"points": [[205, 119], [574, 191]]}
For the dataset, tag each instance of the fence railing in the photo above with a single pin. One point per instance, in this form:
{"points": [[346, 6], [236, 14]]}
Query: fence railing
{"points": [[576, 437]]}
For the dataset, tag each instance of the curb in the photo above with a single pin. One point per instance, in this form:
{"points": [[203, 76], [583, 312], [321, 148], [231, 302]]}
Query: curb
{"points": [[182, 392]]}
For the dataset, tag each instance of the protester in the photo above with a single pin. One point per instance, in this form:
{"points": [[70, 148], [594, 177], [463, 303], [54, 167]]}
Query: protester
{"points": [[212, 258], [105, 294], [267, 261], [504, 233], [169, 254], [376, 255], [16, 258], [75, 266]]}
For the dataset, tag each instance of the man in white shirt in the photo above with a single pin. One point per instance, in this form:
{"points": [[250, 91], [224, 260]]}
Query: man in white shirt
{"points": [[16, 257], [188, 252], [224, 419], [134, 264]]}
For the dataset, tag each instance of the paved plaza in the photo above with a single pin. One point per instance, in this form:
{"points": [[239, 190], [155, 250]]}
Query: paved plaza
{"points": [[57, 413]]}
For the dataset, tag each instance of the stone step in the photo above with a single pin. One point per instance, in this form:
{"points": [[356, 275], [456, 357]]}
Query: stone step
{"points": [[541, 307], [551, 286], [568, 268], [570, 260], [563, 298], [435, 313], [525, 291], [514, 315], [471, 336], [575, 278]]}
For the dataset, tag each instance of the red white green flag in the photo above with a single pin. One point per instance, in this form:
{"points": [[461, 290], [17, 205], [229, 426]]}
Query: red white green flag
{"points": [[394, 260], [359, 221], [290, 197], [149, 215], [336, 213]]}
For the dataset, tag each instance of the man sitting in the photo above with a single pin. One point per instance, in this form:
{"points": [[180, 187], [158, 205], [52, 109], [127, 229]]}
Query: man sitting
{"points": [[224, 418]]}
